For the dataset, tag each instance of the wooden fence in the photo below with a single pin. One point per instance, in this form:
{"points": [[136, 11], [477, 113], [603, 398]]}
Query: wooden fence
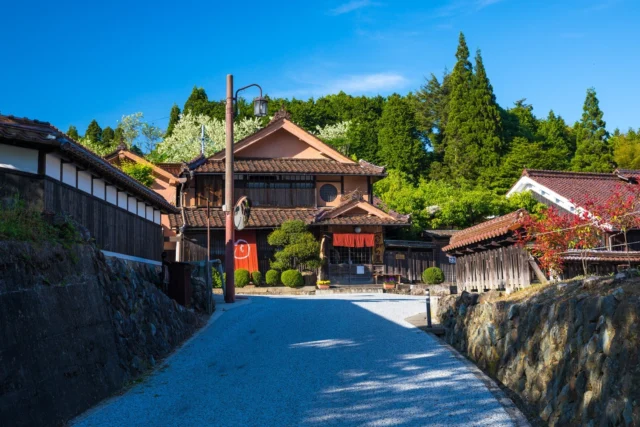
{"points": [[503, 268], [114, 229]]}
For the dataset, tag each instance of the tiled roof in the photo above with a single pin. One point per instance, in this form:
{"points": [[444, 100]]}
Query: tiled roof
{"points": [[607, 256], [35, 131], [172, 168], [360, 220], [260, 217], [378, 203], [493, 228], [292, 166], [273, 217], [579, 187]]}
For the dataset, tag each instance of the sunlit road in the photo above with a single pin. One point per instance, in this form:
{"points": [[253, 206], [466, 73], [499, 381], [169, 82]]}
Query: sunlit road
{"points": [[311, 361]]}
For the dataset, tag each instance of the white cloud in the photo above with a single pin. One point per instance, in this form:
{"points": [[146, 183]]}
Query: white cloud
{"points": [[352, 84], [368, 83], [350, 7]]}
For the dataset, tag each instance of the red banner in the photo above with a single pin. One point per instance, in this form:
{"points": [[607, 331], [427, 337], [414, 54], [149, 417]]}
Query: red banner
{"points": [[245, 250], [354, 240]]}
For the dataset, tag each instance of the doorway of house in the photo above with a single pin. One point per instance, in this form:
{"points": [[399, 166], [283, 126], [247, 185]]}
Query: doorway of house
{"points": [[350, 266]]}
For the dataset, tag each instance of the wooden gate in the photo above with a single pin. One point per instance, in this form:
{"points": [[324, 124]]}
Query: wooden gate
{"points": [[407, 264], [502, 268]]}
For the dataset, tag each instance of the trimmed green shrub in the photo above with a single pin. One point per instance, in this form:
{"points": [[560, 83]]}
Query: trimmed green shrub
{"points": [[242, 277], [273, 278], [432, 276], [292, 278], [257, 278]]}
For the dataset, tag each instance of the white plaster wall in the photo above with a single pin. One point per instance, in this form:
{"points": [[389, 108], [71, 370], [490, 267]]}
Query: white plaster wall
{"points": [[157, 217], [18, 158], [52, 167], [141, 209], [98, 188], [112, 194], [84, 181], [69, 174], [149, 213], [123, 199], [132, 204]]}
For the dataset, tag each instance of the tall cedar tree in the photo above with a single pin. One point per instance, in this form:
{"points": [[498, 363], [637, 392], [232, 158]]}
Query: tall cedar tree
{"points": [[174, 117], [73, 133], [593, 152], [461, 151], [400, 144], [433, 99], [108, 136], [94, 132], [487, 123], [363, 132]]}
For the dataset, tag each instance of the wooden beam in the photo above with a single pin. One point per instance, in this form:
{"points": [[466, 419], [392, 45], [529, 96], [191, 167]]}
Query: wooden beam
{"points": [[536, 269]]}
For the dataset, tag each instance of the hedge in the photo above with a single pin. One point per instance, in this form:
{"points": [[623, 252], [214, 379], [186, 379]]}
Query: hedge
{"points": [[273, 278], [257, 278], [432, 276], [242, 277]]}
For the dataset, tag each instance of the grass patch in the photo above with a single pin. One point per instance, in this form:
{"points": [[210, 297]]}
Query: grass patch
{"points": [[19, 223]]}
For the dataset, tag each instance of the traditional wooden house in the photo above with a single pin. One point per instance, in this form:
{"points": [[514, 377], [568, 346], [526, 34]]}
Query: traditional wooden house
{"points": [[488, 258], [288, 173], [165, 183], [49, 171]]}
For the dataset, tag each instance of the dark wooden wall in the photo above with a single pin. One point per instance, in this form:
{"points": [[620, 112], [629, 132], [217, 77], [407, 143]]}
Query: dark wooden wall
{"points": [[113, 228]]}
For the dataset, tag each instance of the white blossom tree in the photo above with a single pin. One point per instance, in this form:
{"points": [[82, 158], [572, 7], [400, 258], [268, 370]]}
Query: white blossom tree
{"points": [[335, 135], [184, 143]]}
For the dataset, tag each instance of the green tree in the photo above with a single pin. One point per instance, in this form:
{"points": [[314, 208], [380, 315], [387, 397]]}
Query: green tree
{"points": [[94, 132], [141, 173], [626, 149], [593, 152], [73, 133], [118, 136], [432, 110], [296, 246], [108, 136], [400, 143], [174, 117]]}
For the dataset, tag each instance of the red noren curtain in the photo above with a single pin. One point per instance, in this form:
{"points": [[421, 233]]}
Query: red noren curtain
{"points": [[353, 240]]}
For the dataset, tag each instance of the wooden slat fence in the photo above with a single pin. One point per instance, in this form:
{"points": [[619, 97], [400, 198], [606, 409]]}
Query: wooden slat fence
{"points": [[503, 268]]}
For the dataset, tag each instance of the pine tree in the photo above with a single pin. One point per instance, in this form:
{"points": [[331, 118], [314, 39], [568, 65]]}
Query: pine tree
{"points": [[198, 103], [593, 152], [108, 136], [73, 133], [94, 132], [433, 99], [173, 119], [557, 140], [400, 145]]}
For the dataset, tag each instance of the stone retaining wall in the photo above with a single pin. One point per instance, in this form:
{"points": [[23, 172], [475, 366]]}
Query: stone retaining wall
{"points": [[75, 327], [571, 351]]}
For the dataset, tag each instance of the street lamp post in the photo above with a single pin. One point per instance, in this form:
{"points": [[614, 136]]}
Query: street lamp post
{"points": [[259, 110]]}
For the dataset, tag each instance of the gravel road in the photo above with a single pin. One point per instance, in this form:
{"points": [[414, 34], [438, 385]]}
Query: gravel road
{"points": [[309, 361]]}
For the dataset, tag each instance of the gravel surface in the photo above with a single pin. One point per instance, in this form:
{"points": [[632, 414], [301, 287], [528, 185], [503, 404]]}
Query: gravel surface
{"points": [[307, 361]]}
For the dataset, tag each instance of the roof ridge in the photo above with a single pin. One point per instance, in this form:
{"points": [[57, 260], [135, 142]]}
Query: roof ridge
{"points": [[528, 172]]}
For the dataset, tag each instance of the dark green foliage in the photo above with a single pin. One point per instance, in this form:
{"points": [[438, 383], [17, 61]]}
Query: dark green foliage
{"points": [[138, 171], [242, 277], [118, 136], [73, 133], [593, 152], [174, 117], [292, 278], [400, 144], [94, 132], [296, 246], [432, 276], [272, 278], [108, 136], [256, 277]]}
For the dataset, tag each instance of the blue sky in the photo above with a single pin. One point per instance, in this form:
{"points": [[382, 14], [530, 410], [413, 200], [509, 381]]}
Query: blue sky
{"points": [[68, 62]]}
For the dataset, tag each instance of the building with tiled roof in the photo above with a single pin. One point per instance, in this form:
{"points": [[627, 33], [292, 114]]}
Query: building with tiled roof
{"points": [[288, 173], [52, 172]]}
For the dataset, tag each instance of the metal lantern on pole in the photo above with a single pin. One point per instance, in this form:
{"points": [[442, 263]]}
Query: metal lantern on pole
{"points": [[260, 108]]}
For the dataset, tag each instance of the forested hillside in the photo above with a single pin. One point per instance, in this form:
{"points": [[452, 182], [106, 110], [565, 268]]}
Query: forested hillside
{"points": [[452, 152]]}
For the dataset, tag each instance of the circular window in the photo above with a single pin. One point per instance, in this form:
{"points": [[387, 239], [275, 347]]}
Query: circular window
{"points": [[328, 193]]}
